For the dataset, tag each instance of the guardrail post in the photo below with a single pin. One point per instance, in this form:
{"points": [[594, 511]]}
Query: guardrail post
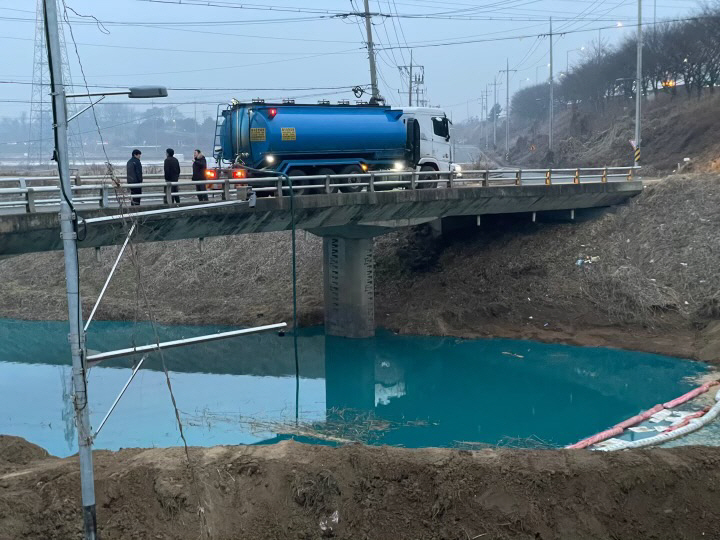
{"points": [[168, 193], [548, 177], [576, 178], [518, 177], [78, 180], [30, 198], [371, 186], [241, 192], [413, 180], [328, 189], [226, 189], [603, 179], [22, 183], [485, 178], [279, 186], [451, 179], [630, 174], [104, 197]]}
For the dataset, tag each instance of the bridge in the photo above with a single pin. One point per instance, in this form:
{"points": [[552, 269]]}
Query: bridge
{"points": [[347, 222]]}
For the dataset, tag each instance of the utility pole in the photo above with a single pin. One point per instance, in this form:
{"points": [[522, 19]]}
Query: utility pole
{"points": [[494, 111], [72, 276], [552, 97], [638, 86], [371, 53], [410, 81], [415, 79], [507, 71]]}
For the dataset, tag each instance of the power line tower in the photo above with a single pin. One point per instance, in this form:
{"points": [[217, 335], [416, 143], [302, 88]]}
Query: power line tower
{"points": [[40, 144]]}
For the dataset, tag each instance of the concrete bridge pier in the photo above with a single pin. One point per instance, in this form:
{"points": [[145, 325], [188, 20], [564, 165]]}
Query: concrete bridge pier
{"points": [[349, 283]]}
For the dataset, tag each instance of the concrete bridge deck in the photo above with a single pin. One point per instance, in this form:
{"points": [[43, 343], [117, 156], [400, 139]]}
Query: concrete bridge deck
{"points": [[346, 221]]}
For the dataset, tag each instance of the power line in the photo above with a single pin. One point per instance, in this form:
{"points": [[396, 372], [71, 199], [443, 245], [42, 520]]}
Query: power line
{"points": [[566, 32]]}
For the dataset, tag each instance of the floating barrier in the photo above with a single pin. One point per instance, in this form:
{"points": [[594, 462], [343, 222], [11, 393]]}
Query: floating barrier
{"points": [[689, 423]]}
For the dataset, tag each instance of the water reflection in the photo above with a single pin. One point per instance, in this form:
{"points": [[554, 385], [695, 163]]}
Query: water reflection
{"points": [[399, 390]]}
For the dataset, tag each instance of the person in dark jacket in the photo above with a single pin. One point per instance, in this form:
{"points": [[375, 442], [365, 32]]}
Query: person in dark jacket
{"points": [[198, 174], [172, 172], [134, 176]]}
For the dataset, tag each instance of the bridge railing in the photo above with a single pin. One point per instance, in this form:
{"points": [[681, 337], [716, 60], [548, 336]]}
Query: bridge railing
{"points": [[37, 194]]}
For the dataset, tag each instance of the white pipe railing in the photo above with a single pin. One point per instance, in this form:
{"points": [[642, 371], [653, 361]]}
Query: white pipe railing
{"points": [[103, 194]]}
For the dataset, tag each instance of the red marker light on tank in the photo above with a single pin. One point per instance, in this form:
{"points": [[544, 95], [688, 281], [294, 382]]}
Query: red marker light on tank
{"points": [[211, 174], [239, 173], [272, 113]]}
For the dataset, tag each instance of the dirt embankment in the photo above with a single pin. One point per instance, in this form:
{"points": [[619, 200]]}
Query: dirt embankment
{"points": [[290, 490], [673, 128], [652, 284]]}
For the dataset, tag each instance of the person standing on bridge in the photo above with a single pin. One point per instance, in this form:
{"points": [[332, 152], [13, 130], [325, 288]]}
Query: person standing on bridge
{"points": [[134, 176], [198, 174], [172, 172]]}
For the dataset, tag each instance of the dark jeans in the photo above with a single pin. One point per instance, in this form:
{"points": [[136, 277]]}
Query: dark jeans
{"points": [[135, 201], [200, 186], [174, 189]]}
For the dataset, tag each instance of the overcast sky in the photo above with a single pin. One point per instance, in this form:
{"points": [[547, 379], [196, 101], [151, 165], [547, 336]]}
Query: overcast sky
{"points": [[218, 47]]}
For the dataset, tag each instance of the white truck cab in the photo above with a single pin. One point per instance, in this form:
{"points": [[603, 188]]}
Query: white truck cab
{"points": [[434, 136]]}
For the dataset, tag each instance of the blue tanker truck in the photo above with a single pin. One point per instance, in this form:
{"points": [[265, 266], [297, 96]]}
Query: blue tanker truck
{"points": [[322, 139]]}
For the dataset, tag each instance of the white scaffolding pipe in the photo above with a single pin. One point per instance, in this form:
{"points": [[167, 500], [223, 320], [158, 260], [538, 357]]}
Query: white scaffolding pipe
{"points": [[100, 357], [117, 399], [107, 281]]}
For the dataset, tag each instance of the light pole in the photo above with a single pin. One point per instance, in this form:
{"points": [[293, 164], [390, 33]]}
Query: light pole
{"points": [[68, 234], [638, 89], [567, 58]]}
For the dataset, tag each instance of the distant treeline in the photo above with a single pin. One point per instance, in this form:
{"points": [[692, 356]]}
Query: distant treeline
{"points": [[683, 54]]}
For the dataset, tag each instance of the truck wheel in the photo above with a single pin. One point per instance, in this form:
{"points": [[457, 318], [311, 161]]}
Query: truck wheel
{"points": [[351, 169], [325, 171], [299, 172], [427, 185]]}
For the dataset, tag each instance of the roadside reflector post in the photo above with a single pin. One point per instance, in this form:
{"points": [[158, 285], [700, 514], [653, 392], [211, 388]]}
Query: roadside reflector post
{"points": [[604, 175], [413, 180], [328, 189], [279, 186], [576, 178], [534, 216], [451, 179], [548, 177], [371, 186], [518, 177]]}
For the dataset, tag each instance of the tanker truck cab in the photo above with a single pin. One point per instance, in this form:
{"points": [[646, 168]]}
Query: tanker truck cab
{"points": [[433, 142]]}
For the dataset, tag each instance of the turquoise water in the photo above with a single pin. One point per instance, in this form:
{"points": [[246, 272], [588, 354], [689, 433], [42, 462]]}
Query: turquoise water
{"points": [[398, 390]]}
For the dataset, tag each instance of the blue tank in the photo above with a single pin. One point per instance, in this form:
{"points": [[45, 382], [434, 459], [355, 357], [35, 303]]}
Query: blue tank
{"points": [[280, 136]]}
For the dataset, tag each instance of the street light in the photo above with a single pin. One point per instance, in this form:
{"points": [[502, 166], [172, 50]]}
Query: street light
{"points": [[567, 58], [68, 234]]}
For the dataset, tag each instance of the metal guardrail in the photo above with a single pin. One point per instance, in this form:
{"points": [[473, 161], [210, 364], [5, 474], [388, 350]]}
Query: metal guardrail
{"points": [[32, 194]]}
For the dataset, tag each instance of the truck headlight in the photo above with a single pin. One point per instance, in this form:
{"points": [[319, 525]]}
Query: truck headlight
{"points": [[398, 166], [270, 159]]}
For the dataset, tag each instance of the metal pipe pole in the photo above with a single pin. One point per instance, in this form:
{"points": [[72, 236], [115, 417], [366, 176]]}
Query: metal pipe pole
{"points": [[507, 108], [410, 81], [487, 130], [371, 52], [550, 142], [495, 113], [638, 86], [72, 275]]}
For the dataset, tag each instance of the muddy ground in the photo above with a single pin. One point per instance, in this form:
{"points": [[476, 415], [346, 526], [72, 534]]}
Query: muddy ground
{"points": [[653, 284], [295, 491]]}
